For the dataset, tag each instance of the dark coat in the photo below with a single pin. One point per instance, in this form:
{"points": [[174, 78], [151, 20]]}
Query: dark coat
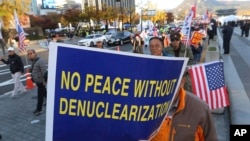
{"points": [[15, 62], [227, 32]]}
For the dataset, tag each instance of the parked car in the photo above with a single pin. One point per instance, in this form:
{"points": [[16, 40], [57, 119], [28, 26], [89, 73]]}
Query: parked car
{"points": [[91, 40], [120, 38], [109, 34]]}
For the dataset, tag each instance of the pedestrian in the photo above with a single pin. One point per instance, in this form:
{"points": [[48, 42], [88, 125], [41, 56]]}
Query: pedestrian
{"points": [[16, 69], [38, 70], [178, 49], [247, 26], [227, 35], [99, 44], [137, 45], [11, 42], [2, 44], [210, 32], [242, 27]]}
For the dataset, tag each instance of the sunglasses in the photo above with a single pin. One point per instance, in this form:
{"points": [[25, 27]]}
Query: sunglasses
{"points": [[175, 39], [29, 53]]}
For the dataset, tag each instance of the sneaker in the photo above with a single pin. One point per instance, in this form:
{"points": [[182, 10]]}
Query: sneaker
{"points": [[37, 112], [24, 92], [13, 96]]}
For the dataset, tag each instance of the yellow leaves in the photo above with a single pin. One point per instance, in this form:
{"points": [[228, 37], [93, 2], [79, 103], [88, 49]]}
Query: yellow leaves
{"points": [[159, 16], [7, 9]]}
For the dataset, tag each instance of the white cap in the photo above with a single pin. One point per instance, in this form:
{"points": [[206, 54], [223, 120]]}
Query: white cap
{"points": [[11, 49]]}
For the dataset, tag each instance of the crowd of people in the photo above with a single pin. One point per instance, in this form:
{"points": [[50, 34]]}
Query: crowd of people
{"points": [[183, 112]]}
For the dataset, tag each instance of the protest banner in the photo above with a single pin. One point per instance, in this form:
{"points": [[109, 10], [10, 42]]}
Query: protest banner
{"points": [[196, 37], [103, 95]]}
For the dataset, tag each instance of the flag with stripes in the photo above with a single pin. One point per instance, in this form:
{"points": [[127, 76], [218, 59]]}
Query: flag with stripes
{"points": [[205, 17], [21, 33], [208, 83], [21, 38]]}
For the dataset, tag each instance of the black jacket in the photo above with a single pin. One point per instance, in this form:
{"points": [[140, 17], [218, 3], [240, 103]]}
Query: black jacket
{"points": [[15, 62], [227, 32]]}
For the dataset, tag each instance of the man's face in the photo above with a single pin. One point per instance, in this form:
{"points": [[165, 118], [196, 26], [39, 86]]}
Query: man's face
{"points": [[175, 42], [99, 44], [11, 52], [156, 47], [31, 55]]}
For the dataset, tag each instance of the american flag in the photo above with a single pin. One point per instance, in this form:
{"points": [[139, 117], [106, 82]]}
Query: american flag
{"points": [[205, 17], [208, 83], [185, 30], [22, 38], [21, 33]]}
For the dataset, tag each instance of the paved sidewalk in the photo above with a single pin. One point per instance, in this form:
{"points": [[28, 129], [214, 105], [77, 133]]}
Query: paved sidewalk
{"points": [[17, 117]]}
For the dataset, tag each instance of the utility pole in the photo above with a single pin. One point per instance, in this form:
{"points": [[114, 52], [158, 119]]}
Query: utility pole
{"points": [[130, 16], [141, 19]]}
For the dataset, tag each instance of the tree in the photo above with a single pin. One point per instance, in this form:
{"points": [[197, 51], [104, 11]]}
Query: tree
{"points": [[182, 14], [109, 14], [88, 14], [72, 16], [7, 8], [159, 17], [49, 21]]}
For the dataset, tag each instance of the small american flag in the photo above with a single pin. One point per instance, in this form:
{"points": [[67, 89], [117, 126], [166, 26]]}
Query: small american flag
{"points": [[21, 34], [22, 38], [208, 83]]}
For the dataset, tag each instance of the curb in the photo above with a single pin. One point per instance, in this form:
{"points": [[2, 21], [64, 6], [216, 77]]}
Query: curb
{"points": [[213, 56]]}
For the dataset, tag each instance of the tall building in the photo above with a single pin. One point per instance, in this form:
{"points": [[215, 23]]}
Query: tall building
{"points": [[33, 7], [112, 3]]}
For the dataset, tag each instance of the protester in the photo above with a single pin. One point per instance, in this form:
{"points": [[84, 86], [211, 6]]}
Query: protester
{"points": [[38, 70], [178, 49], [137, 45], [210, 32], [197, 51], [189, 119], [227, 35], [156, 47], [155, 32], [165, 39], [144, 37], [16, 69], [247, 26], [195, 127], [242, 27], [99, 44]]}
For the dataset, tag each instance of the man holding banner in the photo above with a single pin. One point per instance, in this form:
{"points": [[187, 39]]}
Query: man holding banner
{"points": [[189, 118]]}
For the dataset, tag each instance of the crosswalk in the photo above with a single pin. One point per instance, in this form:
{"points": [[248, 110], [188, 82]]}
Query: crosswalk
{"points": [[7, 71]]}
